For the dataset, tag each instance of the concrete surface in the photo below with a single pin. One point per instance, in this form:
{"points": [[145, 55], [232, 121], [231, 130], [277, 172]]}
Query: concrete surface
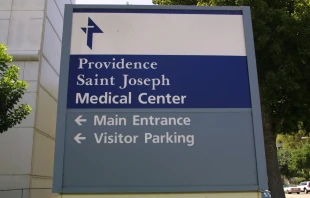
{"points": [[301, 195]]}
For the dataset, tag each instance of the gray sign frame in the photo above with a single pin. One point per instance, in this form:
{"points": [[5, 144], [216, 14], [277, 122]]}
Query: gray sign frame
{"points": [[62, 107]]}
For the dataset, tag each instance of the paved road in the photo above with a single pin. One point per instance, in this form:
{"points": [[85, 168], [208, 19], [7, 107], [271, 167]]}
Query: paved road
{"points": [[301, 195]]}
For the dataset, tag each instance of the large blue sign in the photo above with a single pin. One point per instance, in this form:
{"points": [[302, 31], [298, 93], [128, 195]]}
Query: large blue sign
{"points": [[154, 81], [158, 99]]}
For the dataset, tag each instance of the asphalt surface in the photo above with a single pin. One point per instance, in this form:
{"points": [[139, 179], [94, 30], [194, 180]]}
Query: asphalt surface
{"points": [[301, 195]]}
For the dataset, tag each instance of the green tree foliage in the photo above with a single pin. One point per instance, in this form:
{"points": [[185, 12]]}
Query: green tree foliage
{"points": [[293, 140], [300, 161], [284, 158], [11, 91], [281, 36], [294, 155]]}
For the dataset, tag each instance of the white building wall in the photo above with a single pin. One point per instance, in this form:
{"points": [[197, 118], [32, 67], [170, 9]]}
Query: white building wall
{"points": [[32, 30]]}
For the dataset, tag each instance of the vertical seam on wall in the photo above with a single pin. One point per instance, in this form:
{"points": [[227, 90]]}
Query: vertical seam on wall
{"points": [[24, 72], [54, 28], [42, 55], [7, 39], [7, 44], [50, 64], [37, 95], [58, 9], [53, 97]]}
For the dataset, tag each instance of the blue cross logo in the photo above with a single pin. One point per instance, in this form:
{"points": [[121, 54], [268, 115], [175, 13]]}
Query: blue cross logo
{"points": [[90, 30]]}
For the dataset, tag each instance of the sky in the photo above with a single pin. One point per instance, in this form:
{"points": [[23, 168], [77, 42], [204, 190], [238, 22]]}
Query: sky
{"points": [[134, 2]]}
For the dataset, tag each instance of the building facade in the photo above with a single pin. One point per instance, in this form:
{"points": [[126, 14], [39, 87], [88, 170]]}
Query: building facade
{"points": [[32, 30]]}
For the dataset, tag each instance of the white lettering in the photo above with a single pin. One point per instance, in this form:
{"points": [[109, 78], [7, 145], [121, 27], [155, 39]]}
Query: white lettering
{"points": [[114, 64], [161, 99], [83, 61], [109, 121], [107, 98], [81, 80], [98, 140], [79, 99], [152, 82], [169, 139], [115, 138], [163, 121]]}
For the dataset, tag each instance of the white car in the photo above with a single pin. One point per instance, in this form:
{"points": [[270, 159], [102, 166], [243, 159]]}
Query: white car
{"points": [[304, 186], [292, 188]]}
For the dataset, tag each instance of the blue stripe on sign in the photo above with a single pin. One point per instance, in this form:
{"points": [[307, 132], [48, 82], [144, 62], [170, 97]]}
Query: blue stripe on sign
{"points": [[206, 81], [158, 11]]}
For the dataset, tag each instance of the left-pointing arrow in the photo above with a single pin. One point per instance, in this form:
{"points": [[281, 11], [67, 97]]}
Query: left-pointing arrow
{"points": [[79, 119], [78, 137]]}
